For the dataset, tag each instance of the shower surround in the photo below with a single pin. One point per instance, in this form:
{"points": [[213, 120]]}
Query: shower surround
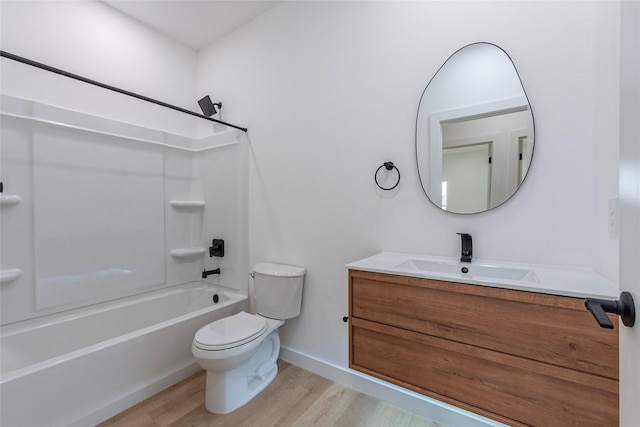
{"points": [[96, 210]]}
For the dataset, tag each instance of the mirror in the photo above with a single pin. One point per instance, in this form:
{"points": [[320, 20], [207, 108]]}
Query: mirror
{"points": [[474, 131]]}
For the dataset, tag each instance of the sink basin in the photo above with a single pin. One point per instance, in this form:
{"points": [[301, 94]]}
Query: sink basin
{"points": [[579, 282], [470, 270]]}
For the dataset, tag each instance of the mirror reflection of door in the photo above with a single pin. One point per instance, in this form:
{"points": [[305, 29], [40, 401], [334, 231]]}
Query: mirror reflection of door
{"points": [[466, 177], [490, 153], [524, 156]]}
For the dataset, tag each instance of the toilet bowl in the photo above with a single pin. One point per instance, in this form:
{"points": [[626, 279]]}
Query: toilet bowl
{"points": [[240, 355], [240, 352]]}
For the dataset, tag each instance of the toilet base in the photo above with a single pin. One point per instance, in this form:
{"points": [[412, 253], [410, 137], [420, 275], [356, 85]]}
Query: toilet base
{"points": [[228, 391]]}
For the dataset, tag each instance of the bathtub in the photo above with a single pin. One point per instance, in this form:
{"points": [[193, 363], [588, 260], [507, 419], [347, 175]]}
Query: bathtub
{"points": [[79, 368]]}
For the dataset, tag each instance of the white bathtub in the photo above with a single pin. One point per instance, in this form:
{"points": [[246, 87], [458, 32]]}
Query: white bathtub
{"points": [[82, 367]]}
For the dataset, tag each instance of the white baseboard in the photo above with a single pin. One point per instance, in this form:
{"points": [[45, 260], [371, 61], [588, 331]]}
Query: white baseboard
{"points": [[416, 403]]}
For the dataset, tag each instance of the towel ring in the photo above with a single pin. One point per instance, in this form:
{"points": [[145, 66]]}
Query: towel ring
{"points": [[388, 166]]}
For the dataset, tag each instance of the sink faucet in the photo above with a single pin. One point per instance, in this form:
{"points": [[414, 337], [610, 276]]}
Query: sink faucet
{"points": [[467, 247]]}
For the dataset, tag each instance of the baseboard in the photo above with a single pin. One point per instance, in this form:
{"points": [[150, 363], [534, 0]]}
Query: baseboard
{"points": [[418, 404]]}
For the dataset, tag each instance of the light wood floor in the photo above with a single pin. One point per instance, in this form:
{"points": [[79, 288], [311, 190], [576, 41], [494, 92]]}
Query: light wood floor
{"points": [[296, 397]]}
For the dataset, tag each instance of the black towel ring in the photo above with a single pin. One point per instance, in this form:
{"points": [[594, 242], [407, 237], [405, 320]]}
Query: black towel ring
{"points": [[388, 166]]}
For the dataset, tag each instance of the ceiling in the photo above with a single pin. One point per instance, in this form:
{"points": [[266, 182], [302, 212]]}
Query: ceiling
{"points": [[195, 23]]}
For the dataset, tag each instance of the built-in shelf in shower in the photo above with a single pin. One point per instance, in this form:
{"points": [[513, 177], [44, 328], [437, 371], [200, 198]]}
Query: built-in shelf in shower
{"points": [[187, 252], [9, 274], [9, 199], [187, 203]]}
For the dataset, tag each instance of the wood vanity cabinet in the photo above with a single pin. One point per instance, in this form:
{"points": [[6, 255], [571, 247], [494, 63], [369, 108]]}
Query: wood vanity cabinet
{"points": [[521, 358]]}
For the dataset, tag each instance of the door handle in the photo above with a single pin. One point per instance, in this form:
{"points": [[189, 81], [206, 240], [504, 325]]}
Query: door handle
{"points": [[624, 307]]}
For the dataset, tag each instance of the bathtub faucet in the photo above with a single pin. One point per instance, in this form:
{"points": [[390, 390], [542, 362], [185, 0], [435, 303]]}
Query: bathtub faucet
{"points": [[206, 273]]}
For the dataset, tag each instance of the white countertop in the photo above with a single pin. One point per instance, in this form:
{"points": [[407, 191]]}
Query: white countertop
{"points": [[578, 282]]}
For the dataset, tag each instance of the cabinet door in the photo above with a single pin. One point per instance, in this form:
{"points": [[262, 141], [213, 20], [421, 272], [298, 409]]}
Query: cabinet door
{"points": [[510, 389], [547, 328], [522, 358]]}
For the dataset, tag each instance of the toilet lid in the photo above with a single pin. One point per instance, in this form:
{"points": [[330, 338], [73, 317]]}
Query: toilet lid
{"points": [[230, 332]]}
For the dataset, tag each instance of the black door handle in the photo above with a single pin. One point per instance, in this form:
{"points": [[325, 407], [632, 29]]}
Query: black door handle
{"points": [[624, 307]]}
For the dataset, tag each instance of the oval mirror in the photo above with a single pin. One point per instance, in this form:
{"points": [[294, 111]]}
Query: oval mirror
{"points": [[474, 131]]}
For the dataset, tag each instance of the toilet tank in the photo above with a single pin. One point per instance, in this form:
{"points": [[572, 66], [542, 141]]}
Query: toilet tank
{"points": [[278, 290]]}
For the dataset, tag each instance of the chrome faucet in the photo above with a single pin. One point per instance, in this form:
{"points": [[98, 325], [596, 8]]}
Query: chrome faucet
{"points": [[467, 247]]}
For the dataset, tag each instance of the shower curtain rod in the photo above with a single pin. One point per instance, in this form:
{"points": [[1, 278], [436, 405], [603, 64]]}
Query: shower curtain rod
{"points": [[112, 88]]}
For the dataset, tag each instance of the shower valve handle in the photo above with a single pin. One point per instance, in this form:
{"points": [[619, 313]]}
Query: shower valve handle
{"points": [[216, 248]]}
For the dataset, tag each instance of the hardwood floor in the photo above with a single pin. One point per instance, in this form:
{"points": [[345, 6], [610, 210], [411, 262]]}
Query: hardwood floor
{"points": [[295, 398]]}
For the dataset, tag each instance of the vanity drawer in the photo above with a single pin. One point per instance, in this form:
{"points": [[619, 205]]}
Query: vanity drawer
{"points": [[511, 389], [552, 329]]}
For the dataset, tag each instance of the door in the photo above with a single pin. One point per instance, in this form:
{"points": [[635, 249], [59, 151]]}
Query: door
{"points": [[466, 171], [630, 207]]}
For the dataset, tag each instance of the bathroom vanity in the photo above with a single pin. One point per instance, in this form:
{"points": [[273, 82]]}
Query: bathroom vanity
{"points": [[497, 340]]}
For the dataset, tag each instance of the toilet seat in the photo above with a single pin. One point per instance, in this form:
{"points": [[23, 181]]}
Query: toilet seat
{"points": [[232, 331]]}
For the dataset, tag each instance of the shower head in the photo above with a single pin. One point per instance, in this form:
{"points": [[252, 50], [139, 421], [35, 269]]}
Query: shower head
{"points": [[209, 108]]}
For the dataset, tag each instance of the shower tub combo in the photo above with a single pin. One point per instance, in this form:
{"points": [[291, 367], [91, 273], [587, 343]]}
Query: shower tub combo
{"points": [[81, 367]]}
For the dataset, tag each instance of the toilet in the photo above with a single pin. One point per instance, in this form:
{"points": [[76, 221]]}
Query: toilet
{"points": [[240, 352]]}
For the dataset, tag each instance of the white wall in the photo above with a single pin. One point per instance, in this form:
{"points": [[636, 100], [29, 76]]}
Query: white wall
{"points": [[93, 40], [329, 91], [473, 76], [605, 132]]}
